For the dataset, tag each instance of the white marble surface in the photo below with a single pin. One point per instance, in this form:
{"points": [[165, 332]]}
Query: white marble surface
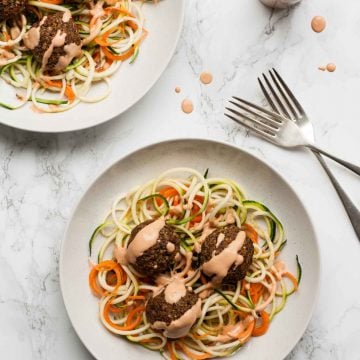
{"points": [[41, 176]]}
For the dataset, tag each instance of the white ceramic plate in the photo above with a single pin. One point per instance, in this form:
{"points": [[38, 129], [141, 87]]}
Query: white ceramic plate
{"points": [[129, 84], [260, 182]]}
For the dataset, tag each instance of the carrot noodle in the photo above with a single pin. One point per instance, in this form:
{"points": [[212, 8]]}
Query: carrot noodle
{"points": [[110, 35], [231, 315]]}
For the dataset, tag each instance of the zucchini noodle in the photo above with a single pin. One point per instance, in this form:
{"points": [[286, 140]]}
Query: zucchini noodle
{"points": [[110, 35], [230, 314]]}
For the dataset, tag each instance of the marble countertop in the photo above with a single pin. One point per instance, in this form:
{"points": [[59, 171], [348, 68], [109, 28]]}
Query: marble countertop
{"points": [[41, 175]]}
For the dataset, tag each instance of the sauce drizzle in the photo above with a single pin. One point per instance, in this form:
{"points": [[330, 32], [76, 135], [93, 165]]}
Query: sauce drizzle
{"points": [[318, 24], [187, 106], [206, 77]]}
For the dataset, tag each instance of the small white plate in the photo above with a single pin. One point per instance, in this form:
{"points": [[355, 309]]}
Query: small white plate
{"points": [[259, 181], [129, 84]]}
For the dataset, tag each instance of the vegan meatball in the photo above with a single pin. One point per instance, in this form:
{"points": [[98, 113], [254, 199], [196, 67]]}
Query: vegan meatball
{"points": [[54, 41], [10, 8], [157, 258], [231, 266], [174, 310]]}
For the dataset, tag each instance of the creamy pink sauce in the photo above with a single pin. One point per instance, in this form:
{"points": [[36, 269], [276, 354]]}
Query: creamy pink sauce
{"points": [[97, 11], [188, 206], [144, 240], [206, 77], [181, 326], [32, 37], [318, 24], [15, 32], [219, 265], [187, 106], [175, 291], [66, 16], [279, 268], [331, 67], [120, 255], [177, 209], [5, 56], [208, 290], [229, 217], [207, 230], [170, 247], [220, 239], [57, 41], [71, 51], [231, 332], [177, 89]]}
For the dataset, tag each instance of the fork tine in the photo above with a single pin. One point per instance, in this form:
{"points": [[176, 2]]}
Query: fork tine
{"points": [[283, 94], [277, 117], [251, 128], [289, 92], [263, 127], [268, 97], [275, 95], [268, 121]]}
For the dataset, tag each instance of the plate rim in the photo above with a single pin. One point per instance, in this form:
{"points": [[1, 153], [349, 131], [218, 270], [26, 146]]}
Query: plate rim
{"points": [[130, 153], [139, 98]]}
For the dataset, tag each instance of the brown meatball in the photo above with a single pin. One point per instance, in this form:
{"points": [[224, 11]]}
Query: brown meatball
{"points": [[10, 8], [157, 309], [46, 52], [157, 259], [208, 249]]}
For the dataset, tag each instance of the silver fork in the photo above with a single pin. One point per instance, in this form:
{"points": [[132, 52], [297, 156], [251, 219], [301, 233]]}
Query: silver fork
{"points": [[268, 123], [278, 129]]}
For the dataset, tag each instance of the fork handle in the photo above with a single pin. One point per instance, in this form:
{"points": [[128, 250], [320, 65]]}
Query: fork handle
{"points": [[350, 208], [352, 167]]}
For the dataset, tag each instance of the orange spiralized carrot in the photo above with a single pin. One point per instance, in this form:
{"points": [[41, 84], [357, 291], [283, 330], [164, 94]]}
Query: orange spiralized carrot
{"points": [[199, 337], [251, 233], [121, 57], [292, 278], [116, 310], [256, 290], [135, 313], [146, 341], [126, 55], [69, 93], [192, 355], [136, 297], [167, 193], [120, 10], [129, 325], [265, 323], [171, 351], [53, 2], [106, 265]]}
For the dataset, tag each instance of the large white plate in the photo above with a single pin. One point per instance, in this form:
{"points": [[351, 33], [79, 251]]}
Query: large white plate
{"points": [[131, 82], [260, 182]]}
